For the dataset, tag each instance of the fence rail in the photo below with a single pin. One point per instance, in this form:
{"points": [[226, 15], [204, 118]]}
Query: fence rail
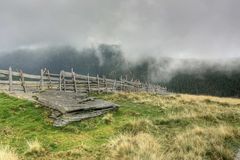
{"points": [[71, 81]]}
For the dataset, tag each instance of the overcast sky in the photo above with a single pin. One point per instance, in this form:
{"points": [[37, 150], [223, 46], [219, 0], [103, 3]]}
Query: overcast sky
{"points": [[175, 28]]}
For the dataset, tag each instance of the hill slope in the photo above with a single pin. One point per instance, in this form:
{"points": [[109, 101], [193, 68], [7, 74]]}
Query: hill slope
{"points": [[146, 127]]}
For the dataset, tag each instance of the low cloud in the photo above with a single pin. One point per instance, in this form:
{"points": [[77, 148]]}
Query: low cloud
{"points": [[200, 29]]}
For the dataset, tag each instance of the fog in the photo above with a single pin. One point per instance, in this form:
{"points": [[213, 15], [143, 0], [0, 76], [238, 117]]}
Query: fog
{"points": [[200, 29]]}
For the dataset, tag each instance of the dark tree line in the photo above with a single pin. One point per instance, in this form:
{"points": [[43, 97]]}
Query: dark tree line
{"points": [[210, 83], [105, 60]]}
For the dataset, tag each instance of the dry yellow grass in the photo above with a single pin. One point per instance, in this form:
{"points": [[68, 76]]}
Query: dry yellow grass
{"points": [[142, 146], [143, 98], [108, 118], [35, 147], [211, 122], [136, 126], [190, 106], [7, 154], [196, 143], [202, 98], [160, 100]]}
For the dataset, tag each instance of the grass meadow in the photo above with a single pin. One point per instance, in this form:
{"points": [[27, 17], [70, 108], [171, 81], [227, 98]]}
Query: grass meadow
{"points": [[146, 127]]}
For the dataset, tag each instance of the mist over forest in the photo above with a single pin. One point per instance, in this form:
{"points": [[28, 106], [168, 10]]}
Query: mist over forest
{"points": [[188, 46], [212, 77]]}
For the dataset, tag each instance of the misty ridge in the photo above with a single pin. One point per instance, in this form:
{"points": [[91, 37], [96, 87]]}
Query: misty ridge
{"points": [[188, 46], [216, 77]]}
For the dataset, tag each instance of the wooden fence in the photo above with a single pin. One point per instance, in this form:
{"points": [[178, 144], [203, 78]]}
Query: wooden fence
{"points": [[70, 81]]}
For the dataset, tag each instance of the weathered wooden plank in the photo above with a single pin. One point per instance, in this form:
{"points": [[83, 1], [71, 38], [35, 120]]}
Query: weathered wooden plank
{"points": [[68, 118], [52, 75]]}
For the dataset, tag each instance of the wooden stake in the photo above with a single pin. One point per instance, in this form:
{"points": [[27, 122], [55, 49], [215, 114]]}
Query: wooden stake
{"points": [[49, 79], [64, 82], [74, 81], [10, 79], [22, 81], [121, 83], [41, 80], [105, 82], [114, 85], [60, 81], [89, 87], [98, 84]]}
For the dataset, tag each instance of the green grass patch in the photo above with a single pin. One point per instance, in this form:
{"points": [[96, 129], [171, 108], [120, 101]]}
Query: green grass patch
{"points": [[165, 117]]}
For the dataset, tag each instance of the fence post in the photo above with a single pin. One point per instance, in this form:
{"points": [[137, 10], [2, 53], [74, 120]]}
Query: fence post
{"points": [[105, 83], [138, 85], [74, 81], [10, 79], [22, 81], [41, 80], [64, 82], [124, 87], [89, 88], [121, 83], [49, 79], [98, 83], [60, 81], [114, 85]]}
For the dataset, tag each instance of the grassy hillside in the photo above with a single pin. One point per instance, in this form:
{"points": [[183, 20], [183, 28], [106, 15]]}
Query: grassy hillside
{"points": [[145, 127]]}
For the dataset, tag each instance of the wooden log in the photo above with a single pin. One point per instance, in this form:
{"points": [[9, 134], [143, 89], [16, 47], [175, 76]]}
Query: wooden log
{"points": [[6, 72], [82, 82], [52, 75]]}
